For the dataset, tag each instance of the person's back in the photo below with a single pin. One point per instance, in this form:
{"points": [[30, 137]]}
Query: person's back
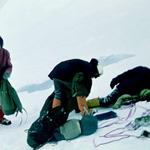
{"points": [[67, 69]]}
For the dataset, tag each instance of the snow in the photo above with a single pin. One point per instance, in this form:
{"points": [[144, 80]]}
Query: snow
{"points": [[39, 34]]}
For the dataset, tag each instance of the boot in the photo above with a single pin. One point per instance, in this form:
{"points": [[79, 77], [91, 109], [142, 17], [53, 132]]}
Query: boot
{"points": [[5, 121], [110, 99]]}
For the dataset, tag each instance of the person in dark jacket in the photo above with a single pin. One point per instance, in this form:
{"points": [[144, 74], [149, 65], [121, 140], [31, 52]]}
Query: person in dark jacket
{"points": [[132, 86], [72, 82], [5, 71], [131, 82]]}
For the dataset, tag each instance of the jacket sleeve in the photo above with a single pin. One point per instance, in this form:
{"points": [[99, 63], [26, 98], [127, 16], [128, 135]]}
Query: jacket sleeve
{"points": [[81, 86]]}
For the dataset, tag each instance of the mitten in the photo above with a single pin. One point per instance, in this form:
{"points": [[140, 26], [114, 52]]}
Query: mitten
{"points": [[6, 75], [113, 83], [145, 94]]}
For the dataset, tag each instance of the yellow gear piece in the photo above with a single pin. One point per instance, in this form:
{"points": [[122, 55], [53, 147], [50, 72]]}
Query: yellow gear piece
{"points": [[94, 102]]}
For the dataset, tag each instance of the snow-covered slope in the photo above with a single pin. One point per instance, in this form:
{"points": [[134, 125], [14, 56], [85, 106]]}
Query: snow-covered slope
{"points": [[39, 34]]}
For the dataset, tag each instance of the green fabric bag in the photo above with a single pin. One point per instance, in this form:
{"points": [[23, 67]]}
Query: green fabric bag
{"points": [[126, 99], [143, 121], [121, 99], [10, 101]]}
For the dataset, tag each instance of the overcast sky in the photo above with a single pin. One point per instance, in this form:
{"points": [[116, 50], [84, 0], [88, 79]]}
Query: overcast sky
{"points": [[52, 30]]}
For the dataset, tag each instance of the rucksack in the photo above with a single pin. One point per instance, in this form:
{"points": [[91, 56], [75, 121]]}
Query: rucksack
{"points": [[89, 124], [73, 128], [41, 131]]}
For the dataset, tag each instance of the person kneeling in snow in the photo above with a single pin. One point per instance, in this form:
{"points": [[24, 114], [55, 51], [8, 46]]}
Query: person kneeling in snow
{"points": [[132, 85], [72, 84], [73, 79]]}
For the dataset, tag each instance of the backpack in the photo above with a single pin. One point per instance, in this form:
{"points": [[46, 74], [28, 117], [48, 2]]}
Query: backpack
{"points": [[89, 124], [73, 128], [41, 131]]}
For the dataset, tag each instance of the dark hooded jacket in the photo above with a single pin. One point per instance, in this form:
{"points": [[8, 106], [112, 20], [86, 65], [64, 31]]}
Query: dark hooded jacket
{"points": [[66, 70], [69, 71], [133, 81]]}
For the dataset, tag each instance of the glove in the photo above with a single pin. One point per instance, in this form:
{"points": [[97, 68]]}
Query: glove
{"points": [[113, 83], [145, 94], [6, 75]]}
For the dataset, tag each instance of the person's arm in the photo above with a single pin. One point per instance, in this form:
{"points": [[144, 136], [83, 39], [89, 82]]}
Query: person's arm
{"points": [[8, 67], [81, 87], [82, 105]]}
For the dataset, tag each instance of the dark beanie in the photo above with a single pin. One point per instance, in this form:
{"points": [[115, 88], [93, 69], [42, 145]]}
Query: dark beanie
{"points": [[94, 62], [1, 42]]}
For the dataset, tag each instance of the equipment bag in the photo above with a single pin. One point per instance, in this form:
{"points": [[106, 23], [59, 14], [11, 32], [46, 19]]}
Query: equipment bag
{"points": [[9, 99]]}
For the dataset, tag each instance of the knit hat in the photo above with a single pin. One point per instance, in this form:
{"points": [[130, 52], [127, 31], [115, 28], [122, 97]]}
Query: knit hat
{"points": [[97, 67], [94, 62]]}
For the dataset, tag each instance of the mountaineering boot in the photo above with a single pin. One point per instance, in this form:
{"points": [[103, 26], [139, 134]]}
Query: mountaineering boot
{"points": [[110, 99], [5, 121], [94, 102]]}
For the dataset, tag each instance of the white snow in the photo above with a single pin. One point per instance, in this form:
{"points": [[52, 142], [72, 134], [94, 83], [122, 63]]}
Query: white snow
{"points": [[39, 34]]}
